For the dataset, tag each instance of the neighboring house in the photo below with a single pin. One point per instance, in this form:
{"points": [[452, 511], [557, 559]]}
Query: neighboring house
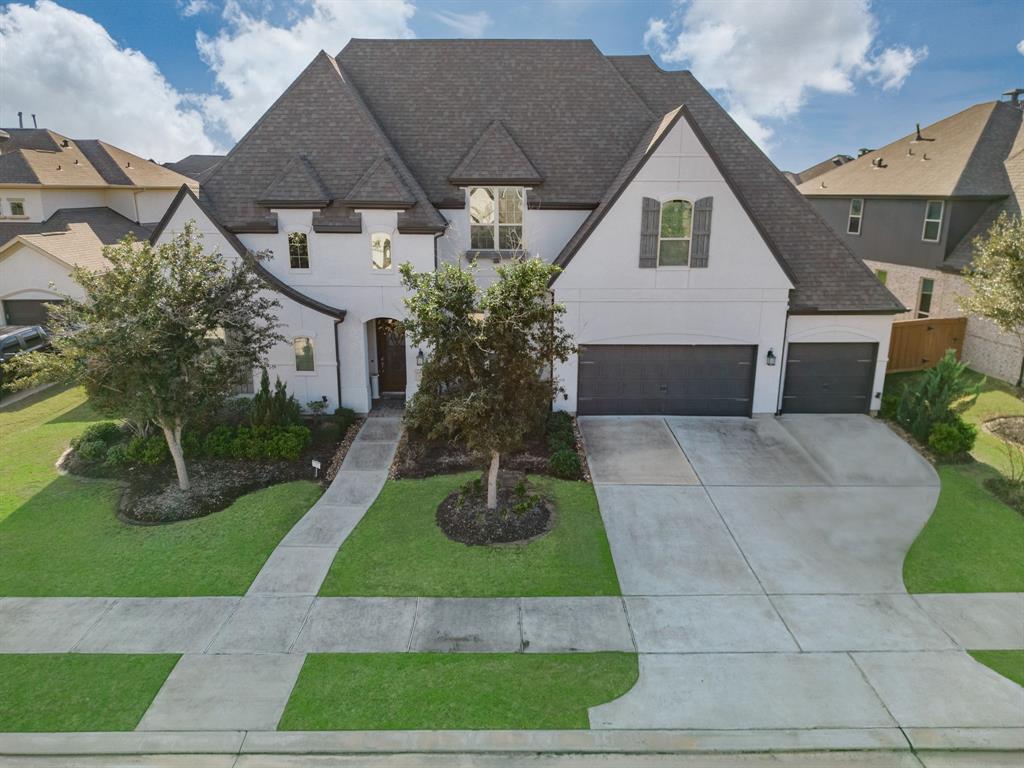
{"points": [[817, 169], [697, 279], [195, 166], [61, 201], [912, 210]]}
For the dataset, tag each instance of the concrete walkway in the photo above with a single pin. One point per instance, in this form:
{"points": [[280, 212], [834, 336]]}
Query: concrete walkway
{"points": [[762, 561]]}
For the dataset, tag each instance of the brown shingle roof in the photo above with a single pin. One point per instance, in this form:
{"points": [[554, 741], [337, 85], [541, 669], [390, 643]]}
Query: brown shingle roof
{"points": [[76, 236], [42, 157], [965, 154]]}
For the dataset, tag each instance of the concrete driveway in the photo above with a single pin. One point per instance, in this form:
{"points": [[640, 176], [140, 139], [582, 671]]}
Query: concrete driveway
{"points": [[761, 562]]}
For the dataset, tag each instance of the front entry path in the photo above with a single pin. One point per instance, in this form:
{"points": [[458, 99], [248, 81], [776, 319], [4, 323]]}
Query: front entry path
{"points": [[761, 562]]}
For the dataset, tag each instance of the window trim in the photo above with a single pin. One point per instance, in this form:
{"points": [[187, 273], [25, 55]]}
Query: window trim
{"points": [[391, 258], [924, 226], [689, 240], [920, 314], [858, 216], [496, 225], [10, 208], [295, 355], [308, 260]]}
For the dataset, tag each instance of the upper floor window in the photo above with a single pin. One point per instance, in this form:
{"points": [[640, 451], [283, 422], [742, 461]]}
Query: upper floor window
{"points": [[496, 218], [17, 207], [674, 240], [298, 250], [933, 221], [856, 214], [303, 346], [380, 250], [924, 299]]}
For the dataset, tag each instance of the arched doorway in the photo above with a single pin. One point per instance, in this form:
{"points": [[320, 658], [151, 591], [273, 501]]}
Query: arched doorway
{"points": [[390, 358]]}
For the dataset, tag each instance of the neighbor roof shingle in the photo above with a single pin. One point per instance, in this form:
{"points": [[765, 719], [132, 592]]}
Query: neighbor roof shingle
{"points": [[76, 236]]}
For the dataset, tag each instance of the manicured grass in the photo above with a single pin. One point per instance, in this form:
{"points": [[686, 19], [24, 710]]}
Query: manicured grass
{"points": [[59, 535], [381, 691], [1009, 664], [972, 543], [398, 550], [78, 692]]}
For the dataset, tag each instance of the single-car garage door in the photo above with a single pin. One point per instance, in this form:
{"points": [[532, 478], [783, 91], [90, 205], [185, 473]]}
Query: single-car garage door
{"points": [[679, 380], [829, 378], [25, 312]]}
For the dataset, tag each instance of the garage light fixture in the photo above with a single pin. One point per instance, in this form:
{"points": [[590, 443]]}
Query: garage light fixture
{"points": [[419, 358], [770, 358]]}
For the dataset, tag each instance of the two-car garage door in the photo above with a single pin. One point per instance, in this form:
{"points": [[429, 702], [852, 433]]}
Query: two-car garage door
{"points": [[704, 380]]}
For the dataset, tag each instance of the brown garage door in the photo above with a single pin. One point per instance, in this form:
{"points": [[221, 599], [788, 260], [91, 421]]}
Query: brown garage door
{"points": [[25, 311], [680, 380], [829, 378]]}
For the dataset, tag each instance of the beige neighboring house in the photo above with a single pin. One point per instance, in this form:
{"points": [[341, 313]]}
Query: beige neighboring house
{"points": [[61, 201], [912, 210]]}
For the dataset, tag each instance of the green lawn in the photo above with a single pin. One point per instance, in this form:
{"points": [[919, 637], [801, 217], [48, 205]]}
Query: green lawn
{"points": [[78, 692], [398, 550], [972, 543], [59, 535], [1007, 663], [381, 691]]}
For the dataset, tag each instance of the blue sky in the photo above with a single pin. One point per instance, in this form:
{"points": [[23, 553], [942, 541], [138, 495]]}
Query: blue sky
{"points": [[806, 79]]}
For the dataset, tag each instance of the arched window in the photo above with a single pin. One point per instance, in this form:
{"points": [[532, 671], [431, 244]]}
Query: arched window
{"points": [[303, 346], [380, 250], [674, 243], [298, 250]]}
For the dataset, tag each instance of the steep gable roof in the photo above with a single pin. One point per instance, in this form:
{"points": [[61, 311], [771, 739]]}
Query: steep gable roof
{"points": [[323, 117], [380, 187], [496, 158], [959, 156], [828, 277], [297, 186]]}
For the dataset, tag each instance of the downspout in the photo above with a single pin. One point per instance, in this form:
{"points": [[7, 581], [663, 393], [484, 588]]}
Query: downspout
{"points": [[337, 358], [782, 362]]}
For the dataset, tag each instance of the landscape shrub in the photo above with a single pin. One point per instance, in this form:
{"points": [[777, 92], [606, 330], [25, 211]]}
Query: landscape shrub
{"points": [[217, 443], [274, 408], [560, 435], [91, 450], [148, 450], [106, 432], [565, 463], [117, 455], [274, 443], [952, 438], [940, 393]]}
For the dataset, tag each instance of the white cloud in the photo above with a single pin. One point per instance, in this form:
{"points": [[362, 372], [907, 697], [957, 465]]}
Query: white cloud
{"points": [[765, 59], [254, 61], [466, 24], [1020, 47], [66, 69], [194, 7]]}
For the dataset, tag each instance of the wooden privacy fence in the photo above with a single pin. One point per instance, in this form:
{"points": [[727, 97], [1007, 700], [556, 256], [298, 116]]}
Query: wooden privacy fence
{"points": [[919, 344]]}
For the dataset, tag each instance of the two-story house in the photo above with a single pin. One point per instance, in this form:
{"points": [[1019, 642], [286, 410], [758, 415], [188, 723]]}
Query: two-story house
{"points": [[697, 279], [61, 201], [913, 209]]}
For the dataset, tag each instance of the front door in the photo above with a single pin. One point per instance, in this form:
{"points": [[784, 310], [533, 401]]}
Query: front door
{"points": [[391, 355]]}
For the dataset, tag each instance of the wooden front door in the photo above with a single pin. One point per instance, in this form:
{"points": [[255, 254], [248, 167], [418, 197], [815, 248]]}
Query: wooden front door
{"points": [[391, 355]]}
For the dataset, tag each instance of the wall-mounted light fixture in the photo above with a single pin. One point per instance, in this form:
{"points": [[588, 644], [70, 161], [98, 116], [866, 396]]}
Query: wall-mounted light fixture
{"points": [[770, 357], [419, 358]]}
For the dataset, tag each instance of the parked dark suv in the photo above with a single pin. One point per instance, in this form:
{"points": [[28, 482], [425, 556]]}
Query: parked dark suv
{"points": [[15, 339]]}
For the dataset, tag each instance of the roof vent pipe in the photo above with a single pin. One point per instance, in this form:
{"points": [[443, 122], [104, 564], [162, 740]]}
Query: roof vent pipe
{"points": [[21, 123], [34, 124], [1014, 94]]}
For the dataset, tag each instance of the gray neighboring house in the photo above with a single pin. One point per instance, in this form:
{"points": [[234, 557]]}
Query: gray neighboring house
{"points": [[816, 170], [196, 167], [913, 208]]}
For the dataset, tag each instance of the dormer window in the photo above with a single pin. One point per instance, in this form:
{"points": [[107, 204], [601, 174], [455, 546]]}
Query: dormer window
{"points": [[298, 250], [676, 226], [496, 218], [17, 207], [380, 250]]}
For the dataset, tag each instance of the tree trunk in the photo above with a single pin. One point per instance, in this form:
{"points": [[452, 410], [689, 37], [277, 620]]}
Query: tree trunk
{"points": [[173, 437], [492, 481]]}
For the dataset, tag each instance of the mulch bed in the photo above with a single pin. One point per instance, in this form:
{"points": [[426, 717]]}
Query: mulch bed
{"points": [[1008, 428], [417, 458], [339, 455], [521, 515]]}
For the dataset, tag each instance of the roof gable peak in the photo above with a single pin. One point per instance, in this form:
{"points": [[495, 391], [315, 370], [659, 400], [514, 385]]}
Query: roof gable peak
{"points": [[380, 187], [297, 186], [496, 157]]}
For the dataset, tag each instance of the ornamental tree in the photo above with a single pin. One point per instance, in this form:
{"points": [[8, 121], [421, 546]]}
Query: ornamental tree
{"points": [[488, 380], [163, 335], [996, 278]]}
